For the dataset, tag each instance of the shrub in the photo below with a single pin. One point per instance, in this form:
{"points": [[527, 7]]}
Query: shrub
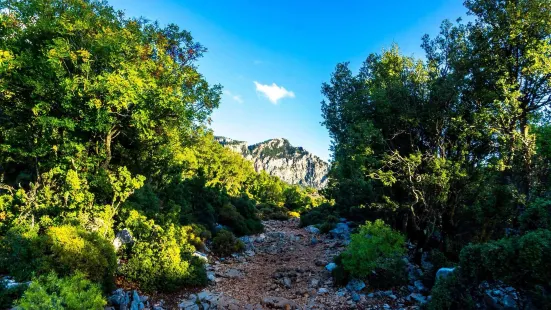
{"points": [[74, 248], [519, 261], [293, 214], [23, 252], [71, 293], [330, 223], [325, 213], [230, 216], [536, 216], [515, 260], [450, 293], [272, 212], [225, 243], [438, 260], [161, 258], [375, 253], [340, 275]]}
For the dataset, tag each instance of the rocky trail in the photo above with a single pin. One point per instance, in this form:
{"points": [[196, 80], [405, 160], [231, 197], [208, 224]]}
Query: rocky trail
{"points": [[286, 267]]}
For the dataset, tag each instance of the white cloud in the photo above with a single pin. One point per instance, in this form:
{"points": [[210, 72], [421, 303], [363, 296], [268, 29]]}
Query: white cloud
{"points": [[273, 92], [236, 98]]}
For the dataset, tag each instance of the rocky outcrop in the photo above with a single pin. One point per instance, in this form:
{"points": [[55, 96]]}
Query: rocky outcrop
{"points": [[279, 158]]}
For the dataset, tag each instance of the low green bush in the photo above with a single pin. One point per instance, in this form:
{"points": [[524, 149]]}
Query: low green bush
{"points": [[330, 223], [161, 258], [536, 216], [450, 293], [230, 217], [340, 275], [70, 293], [74, 248], [272, 212], [23, 252], [519, 261], [375, 253], [325, 213], [225, 243]]}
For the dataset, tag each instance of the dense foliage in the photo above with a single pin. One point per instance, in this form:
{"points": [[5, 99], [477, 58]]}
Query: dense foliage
{"points": [[453, 148], [71, 293], [103, 128], [225, 243], [376, 249]]}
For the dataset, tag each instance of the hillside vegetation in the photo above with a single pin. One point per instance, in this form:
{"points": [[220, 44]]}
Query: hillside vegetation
{"points": [[103, 129], [110, 177], [453, 149]]}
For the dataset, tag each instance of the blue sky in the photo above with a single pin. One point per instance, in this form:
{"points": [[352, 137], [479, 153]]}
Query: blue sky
{"points": [[272, 56]]}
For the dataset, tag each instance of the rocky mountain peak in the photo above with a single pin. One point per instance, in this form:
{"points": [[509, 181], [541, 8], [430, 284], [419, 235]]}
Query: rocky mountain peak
{"points": [[278, 157]]}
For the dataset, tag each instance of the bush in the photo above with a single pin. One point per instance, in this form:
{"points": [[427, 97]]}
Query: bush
{"points": [[536, 216], [449, 293], [519, 261], [161, 258], [325, 213], [23, 252], [225, 243], [340, 275], [516, 260], [74, 248], [293, 214], [330, 223], [375, 253], [71, 293], [438, 260], [272, 212], [230, 216]]}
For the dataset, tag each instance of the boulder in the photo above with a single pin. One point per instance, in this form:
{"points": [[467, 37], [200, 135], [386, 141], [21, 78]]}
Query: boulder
{"points": [[210, 276], [219, 227], [502, 298], [260, 238], [9, 282], [121, 238], [312, 229], [443, 273], [201, 256], [341, 231], [355, 285], [331, 266]]}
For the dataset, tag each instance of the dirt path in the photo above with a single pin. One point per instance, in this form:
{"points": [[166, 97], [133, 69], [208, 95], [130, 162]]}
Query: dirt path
{"points": [[284, 268], [288, 263]]}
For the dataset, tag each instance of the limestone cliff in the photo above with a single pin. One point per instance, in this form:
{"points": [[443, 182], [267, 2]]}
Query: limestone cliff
{"points": [[278, 157]]}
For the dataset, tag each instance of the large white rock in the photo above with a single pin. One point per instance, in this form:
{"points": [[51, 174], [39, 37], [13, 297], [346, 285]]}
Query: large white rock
{"points": [[121, 238]]}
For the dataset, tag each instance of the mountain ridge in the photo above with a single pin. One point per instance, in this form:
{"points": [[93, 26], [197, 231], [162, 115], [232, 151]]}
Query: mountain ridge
{"points": [[292, 164]]}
